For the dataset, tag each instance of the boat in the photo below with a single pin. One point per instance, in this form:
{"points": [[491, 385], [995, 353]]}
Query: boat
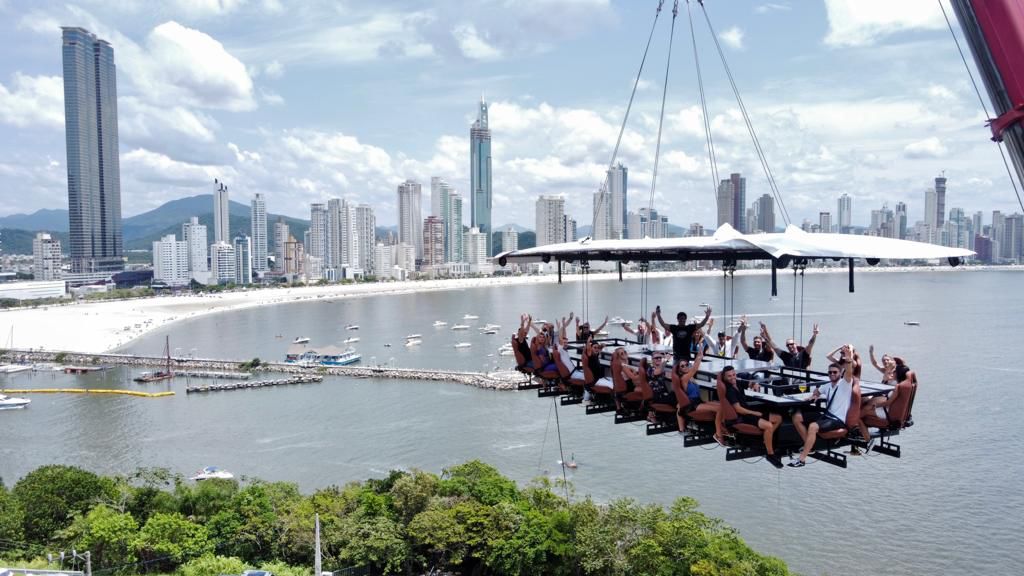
{"points": [[414, 336], [540, 322], [10, 402], [352, 327], [300, 340], [460, 327], [14, 368], [439, 323], [489, 331], [352, 340], [470, 317], [326, 356], [618, 321], [166, 374], [212, 473], [506, 350], [413, 342], [492, 326], [464, 345], [911, 323]]}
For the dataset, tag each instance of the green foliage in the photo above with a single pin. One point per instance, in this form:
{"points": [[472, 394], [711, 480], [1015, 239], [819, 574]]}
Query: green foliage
{"points": [[170, 539], [478, 480], [411, 493], [109, 535], [210, 565], [250, 365], [51, 496], [11, 520], [373, 541], [60, 357], [206, 499]]}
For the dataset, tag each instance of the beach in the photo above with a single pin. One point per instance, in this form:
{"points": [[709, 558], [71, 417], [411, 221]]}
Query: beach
{"points": [[104, 326]]}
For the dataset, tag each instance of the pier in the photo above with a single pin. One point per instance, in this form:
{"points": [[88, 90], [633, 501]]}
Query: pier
{"points": [[85, 391], [214, 375], [251, 385]]}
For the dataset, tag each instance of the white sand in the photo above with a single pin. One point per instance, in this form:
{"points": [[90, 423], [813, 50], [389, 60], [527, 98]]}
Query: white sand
{"points": [[103, 326]]}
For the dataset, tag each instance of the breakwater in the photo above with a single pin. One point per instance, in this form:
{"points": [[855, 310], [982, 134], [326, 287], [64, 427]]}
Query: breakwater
{"points": [[249, 385], [85, 391], [505, 380]]}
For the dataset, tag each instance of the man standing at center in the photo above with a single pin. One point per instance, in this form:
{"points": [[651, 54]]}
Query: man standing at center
{"points": [[682, 333]]}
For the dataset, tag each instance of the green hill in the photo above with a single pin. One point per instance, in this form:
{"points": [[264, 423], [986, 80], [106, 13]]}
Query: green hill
{"points": [[15, 241]]}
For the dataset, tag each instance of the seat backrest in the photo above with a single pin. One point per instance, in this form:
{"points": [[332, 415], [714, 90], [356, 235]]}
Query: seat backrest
{"points": [[520, 360], [618, 380], [563, 371], [727, 410], [588, 374], [899, 411], [682, 400], [642, 385], [853, 413]]}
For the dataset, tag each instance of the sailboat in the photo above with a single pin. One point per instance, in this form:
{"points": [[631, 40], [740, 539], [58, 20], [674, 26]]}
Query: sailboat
{"points": [[12, 368], [165, 374]]}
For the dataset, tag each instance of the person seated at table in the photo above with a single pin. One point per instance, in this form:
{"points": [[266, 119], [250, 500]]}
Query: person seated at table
{"points": [[724, 346], [760, 350], [583, 331], [540, 346], [658, 377], [794, 356], [745, 415], [682, 333], [838, 393], [630, 376], [563, 353], [592, 358], [900, 373], [641, 331], [522, 341], [683, 385], [887, 368]]}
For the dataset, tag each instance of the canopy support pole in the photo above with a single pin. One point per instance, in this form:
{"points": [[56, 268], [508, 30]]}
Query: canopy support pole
{"points": [[775, 279], [559, 271], [850, 264], [620, 270]]}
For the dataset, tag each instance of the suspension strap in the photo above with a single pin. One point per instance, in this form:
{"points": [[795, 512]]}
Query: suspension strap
{"points": [[704, 109], [664, 93]]}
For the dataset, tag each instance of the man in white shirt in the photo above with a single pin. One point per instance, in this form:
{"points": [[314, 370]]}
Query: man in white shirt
{"points": [[725, 346], [838, 393]]}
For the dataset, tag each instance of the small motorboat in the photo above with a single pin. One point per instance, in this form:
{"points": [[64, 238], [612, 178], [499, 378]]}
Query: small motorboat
{"points": [[300, 340], [911, 323], [489, 331], [388, 345], [506, 350], [212, 473], [413, 342], [492, 326], [460, 327], [10, 402], [464, 345], [14, 368], [352, 340], [541, 322], [618, 321], [414, 336], [470, 317], [352, 327], [439, 323]]}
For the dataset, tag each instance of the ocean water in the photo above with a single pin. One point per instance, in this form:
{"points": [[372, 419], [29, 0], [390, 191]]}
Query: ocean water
{"points": [[950, 505]]}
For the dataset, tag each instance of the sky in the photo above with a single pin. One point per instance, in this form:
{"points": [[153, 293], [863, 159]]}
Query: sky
{"points": [[305, 101]]}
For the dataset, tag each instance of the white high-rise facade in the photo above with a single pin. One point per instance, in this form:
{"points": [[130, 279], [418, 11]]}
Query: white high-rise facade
{"points": [[439, 187], [433, 243], [617, 188], [258, 215], [570, 229], [844, 213], [825, 222], [221, 213], [410, 216], [170, 261], [47, 256], [475, 243], [222, 263], [194, 235], [451, 211], [243, 259], [317, 230], [365, 237], [602, 215], [282, 234], [550, 220], [510, 239], [726, 209]]}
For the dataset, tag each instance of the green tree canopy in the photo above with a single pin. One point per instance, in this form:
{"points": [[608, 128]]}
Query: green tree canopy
{"points": [[49, 497]]}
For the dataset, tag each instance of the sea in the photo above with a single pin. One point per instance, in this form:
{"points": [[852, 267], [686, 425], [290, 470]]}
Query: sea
{"points": [[950, 505]]}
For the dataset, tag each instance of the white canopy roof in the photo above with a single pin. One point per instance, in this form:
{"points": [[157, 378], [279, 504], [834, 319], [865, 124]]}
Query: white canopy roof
{"points": [[727, 243]]}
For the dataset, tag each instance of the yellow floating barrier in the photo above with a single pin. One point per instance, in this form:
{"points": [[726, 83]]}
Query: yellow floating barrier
{"points": [[84, 391]]}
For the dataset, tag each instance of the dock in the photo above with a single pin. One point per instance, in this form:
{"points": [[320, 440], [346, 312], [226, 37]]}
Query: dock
{"points": [[86, 391], [305, 379], [214, 375], [82, 369]]}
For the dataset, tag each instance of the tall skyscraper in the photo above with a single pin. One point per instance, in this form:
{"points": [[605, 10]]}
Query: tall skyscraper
{"points": [[696, 230], [602, 215], [739, 201], [317, 230], [550, 219], [170, 261], [481, 195], [433, 243], [258, 215], [243, 260], [194, 235], [726, 208], [940, 201], [617, 177], [438, 188], [451, 210], [844, 213], [901, 221], [476, 247], [510, 239], [931, 215], [94, 170], [221, 213], [766, 214], [570, 229], [653, 225], [47, 257], [282, 234], [341, 244], [222, 263], [410, 216], [825, 222], [366, 235]]}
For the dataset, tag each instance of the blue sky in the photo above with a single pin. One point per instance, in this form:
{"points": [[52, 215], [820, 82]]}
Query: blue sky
{"points": [[311, 100]]}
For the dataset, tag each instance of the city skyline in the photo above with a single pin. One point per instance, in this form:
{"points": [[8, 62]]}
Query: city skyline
{"points": [[251, 121]]}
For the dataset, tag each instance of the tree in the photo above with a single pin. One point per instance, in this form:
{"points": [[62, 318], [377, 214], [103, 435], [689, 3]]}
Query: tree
{"points": [[412, 492], [206, 498], [108, 534], [209, 564], [478, 480], [170, 539], [11, 520], [51, 496], [377, 543]]}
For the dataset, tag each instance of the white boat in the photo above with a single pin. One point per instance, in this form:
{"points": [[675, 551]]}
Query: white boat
{"points": [[506, 350], [212, 472], [542, 322], [300, 340], [492, 326], [326, 356], [464, 345], [439, 323], [489, 331], [460, 327], [352, 327], [414, 336], [14, 368], [352, 340], [470, 317], [9, 402], [618, 321], [413, 342]]}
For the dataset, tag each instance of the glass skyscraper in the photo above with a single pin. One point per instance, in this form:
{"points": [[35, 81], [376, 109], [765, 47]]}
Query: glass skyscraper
{"points": [[480, 175], [94, 174]]}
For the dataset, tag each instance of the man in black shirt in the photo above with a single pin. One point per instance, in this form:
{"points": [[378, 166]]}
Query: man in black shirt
{"points": [[760, 350], [793, 356], [682, 333]]}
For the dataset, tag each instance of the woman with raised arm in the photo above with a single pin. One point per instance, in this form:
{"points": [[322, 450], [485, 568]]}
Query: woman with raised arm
{"points": [[888, 367]]}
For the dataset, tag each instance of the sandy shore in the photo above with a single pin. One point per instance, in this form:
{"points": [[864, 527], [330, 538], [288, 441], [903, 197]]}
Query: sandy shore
{"points": [[103, 326]]}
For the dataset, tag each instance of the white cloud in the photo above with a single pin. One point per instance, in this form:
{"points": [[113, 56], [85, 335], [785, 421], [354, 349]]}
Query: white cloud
{"points": [[473, 46], [207, 8], [927, 148], [274, 69], [33, 100], [864, 22], [272, 98], [772, 7], [140, 121], [733, 37], [153, 167]]}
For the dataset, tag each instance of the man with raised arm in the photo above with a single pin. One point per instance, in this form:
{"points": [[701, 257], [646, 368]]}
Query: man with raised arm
{"points": [[725, 346], [838, 393], [583, 331], [760, 350], [793, 356], [682, 333]]}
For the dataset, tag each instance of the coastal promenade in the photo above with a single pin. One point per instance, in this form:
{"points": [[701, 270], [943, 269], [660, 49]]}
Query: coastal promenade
{"points": [[504, 380]]}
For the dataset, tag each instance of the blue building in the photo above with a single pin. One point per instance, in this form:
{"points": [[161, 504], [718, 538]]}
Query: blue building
{"points": [[480, 175]]}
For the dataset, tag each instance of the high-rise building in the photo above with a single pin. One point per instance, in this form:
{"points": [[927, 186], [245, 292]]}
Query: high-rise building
{"points": [[433, 243], [617, 188], [243, 260], [825, 222], [317, 230], [550, 219], [766, 214], [294, 257], [475, 243], [696, 230], [451, 213], [341, 242], [652, 225], [410, 216], [170, 261], [725, 200], [194, 235], [739, 201], [47, 256], [940, 201], [844, 213], [1013, 238], [931, 206], [258, 216], [439, 187], [570, 229], [221, 213], [976, 222], [901, 221], [365, 236], [94, 170], [634, 226], [481, 195], [282, 234], [222, 263], [510, 239], [602, 229]]}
